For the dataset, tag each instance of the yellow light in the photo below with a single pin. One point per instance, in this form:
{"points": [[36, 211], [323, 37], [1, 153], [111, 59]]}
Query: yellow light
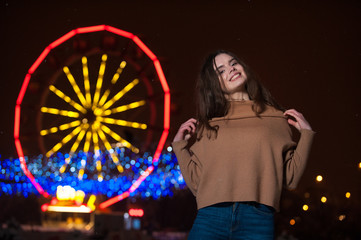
{"points": [[319, 178], [348, 195], [81, 173], [342, 217], [123, 108], [99, 165], [359, 165], [74, 85], [292, 222], [59, 112], [100, 80], [86, 81], [91, 202], [87, 141], [120, 94], [324, 199], [67, 99], [79, 197], [122, 123], [305, 207], [74, 209], [64, 141], [118, 138]]}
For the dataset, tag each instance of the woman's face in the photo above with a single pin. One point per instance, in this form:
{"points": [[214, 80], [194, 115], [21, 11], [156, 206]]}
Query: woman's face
{"points": [[230, 73]]}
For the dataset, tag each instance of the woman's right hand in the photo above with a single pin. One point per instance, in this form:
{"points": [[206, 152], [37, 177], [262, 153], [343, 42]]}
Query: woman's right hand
{"points": [[186, 130]]}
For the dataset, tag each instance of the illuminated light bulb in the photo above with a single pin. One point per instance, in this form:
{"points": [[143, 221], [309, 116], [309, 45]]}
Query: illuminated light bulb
{"points": [[120, 168], [169, 149], [305, 207], [91, 202], [324, 199], [359, 165], [292, 222], [342, 217], [319, 178], [348, 195], [44, 132]]}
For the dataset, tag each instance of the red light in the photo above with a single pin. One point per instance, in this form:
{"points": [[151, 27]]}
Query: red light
{"points": [[91, 29], [44, 207], [145, 49], [23, 89], [119, 32], [136, 212], [39, 60], [62, 39], [54, 201]]}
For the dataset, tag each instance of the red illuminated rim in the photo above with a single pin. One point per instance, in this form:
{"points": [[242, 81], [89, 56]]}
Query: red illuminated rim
{"points": [[163, 82]]}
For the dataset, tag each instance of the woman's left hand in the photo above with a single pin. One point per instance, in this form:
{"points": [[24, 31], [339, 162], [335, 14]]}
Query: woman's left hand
{"points": [[300, 123]]}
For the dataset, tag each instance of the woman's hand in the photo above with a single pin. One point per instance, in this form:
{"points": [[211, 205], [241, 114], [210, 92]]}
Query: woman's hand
{"points": [[300, 123], [186, 130]]}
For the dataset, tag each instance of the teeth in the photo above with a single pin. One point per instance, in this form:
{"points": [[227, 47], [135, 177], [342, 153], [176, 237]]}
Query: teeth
{"points": [[234, 76]]}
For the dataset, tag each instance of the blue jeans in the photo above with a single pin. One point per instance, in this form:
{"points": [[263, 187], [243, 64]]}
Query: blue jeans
{"points": [[239, 220]]}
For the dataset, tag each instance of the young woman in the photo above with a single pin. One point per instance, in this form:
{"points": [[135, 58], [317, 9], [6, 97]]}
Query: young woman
{"points": [[238, 153]]}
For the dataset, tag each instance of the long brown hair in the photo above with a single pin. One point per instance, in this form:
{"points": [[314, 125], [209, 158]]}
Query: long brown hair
{"points": [[211, 100]]}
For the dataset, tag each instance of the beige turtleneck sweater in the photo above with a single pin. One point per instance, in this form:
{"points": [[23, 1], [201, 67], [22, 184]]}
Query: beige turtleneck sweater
{"points": [[251, 158]]}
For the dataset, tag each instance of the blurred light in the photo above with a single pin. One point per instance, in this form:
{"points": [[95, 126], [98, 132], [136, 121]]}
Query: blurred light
{"points": [[348, 195], [319, 178], [359, 165], [305, 207], [169, 149], [292, 222], [342, 217], [323, 199], [136, 212], [74, 209], [91, 202]]}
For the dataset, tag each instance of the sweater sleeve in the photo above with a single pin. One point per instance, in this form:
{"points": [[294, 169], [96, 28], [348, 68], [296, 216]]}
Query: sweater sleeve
{"points": [[189, 165], [296, 158]]}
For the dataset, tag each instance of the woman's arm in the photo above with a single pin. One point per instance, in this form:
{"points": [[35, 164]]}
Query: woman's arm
{"points": [[189, 164], [297, 155]]}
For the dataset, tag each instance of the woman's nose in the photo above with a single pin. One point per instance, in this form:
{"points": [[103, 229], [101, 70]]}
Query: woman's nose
{"points": [[232, 69]]}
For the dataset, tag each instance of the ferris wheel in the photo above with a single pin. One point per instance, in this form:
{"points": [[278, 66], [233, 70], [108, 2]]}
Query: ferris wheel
{"points": [[92, 89]]}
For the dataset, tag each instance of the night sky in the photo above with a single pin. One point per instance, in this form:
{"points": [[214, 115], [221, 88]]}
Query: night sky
{"points": [[308, 53]]}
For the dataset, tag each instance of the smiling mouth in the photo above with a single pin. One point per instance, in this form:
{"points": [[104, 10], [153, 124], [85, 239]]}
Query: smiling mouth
{"points": [[234, 77]]}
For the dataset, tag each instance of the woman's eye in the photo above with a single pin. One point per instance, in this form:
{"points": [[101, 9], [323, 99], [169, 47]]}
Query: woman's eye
{"points": [[221, 71], [234, 63]]}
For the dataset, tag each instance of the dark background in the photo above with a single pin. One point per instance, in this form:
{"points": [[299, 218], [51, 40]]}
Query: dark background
{"points": [[308, 53]]}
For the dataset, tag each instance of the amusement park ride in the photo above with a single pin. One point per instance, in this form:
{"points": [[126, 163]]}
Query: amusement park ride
{"points": [[93, 103]]}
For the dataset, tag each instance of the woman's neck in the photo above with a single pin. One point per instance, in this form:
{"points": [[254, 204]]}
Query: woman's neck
{"points": [[238, 96]]}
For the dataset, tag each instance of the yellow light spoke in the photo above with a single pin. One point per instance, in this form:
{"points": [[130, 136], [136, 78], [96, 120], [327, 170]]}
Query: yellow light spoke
{"points": [[109, 148], [120, 94], [95, 139], [74, 85], [87, 141], [122, 123], [60, 112], [100, 80], [119, 139], [60, 128], [67, 99], [63, 141], [79, 138], [114, 81], [84, 61], [123, 108]]}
